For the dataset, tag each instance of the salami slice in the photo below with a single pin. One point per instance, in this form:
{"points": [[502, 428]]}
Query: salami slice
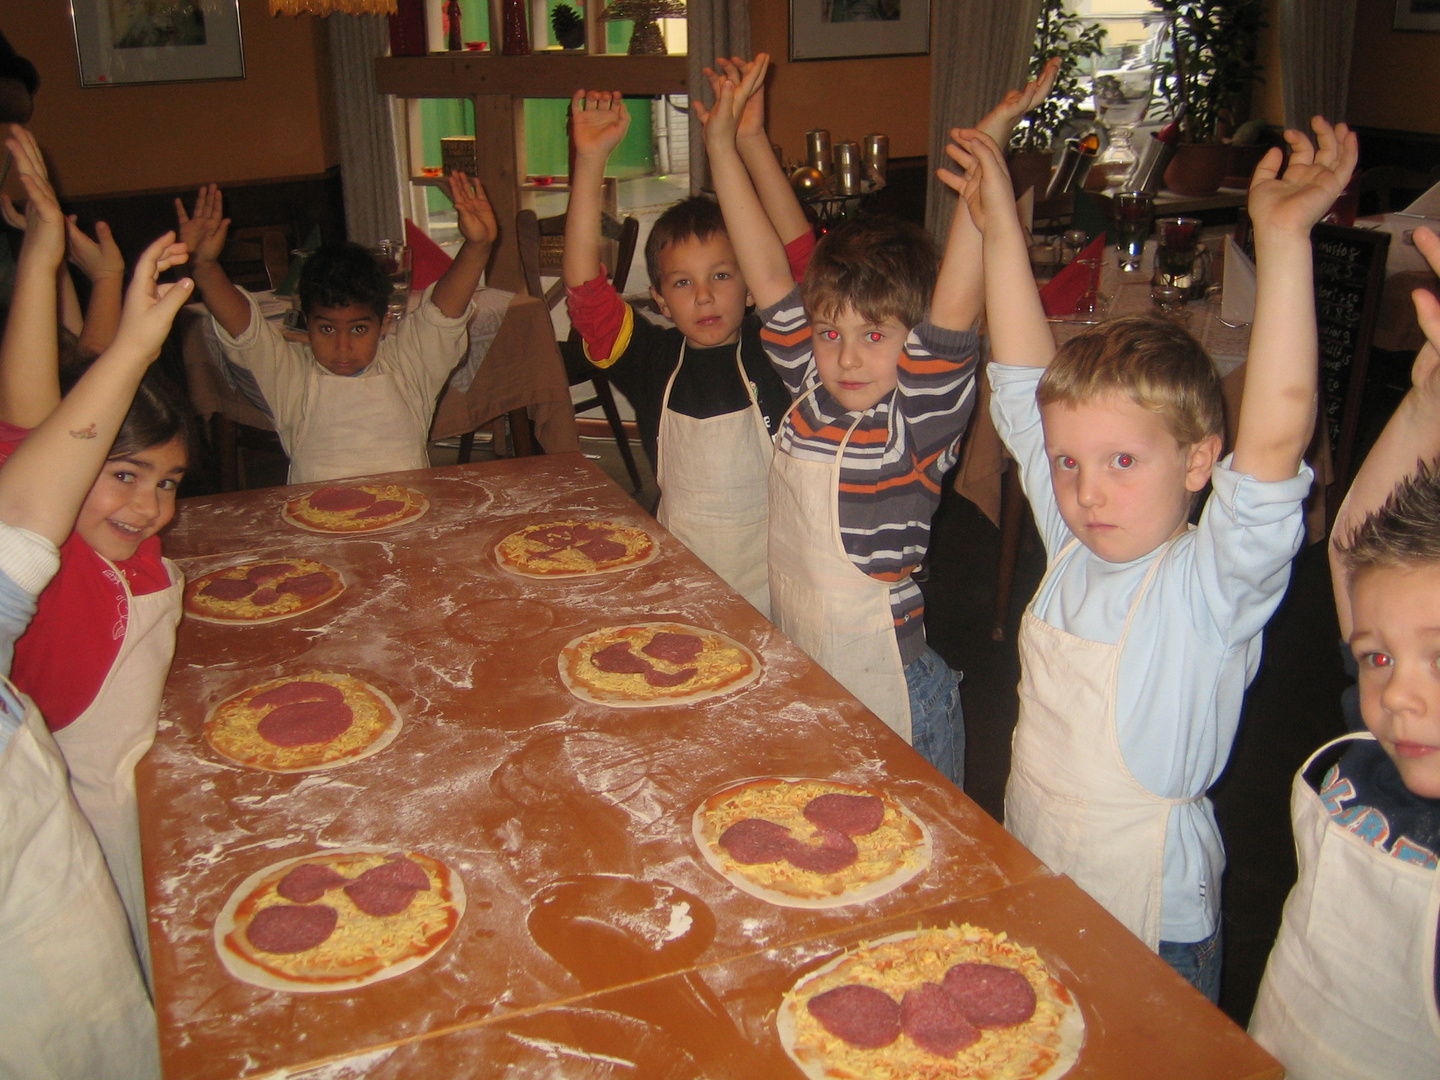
{"points": [[269, 572], [676, 648], [308, 585], [675, 678], [861, 1015], [556, 538], [379, 898], [990, 995], [382, 508], [755, 840], [285, 928], [338, 499], [585, 531], [602, 550], [291, 692], [853, 815], [229, 588], [264, 597], [932, 1018], [308, 882], [834, 853], [619, 660], [398, 871], [304, 722]]}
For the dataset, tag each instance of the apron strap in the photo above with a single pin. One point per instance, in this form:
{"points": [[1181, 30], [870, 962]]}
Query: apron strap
{"points": [[1354, 736]]}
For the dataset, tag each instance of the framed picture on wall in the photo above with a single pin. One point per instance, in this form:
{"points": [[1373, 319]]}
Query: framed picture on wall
{"points": [[1417, 14], [123, 42], [836, 29]]}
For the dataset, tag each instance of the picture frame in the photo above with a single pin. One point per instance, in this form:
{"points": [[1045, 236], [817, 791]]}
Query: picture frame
{"points": [[125, 42], [842, 29], [1417, 15]]}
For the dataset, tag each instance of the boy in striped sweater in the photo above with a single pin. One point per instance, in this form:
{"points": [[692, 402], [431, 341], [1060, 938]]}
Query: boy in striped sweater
{"points": [[879, 352]]}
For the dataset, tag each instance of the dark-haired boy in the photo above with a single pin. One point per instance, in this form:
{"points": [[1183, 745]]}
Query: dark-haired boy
{"points": [[353, 401], [706, 400]]}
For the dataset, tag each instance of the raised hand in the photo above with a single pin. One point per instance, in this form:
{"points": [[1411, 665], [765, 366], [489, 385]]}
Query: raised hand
{"points": [[722, 119], [752, 117], [1313, 180], [44, 222], [150, 307], [476, 216], [203, 230], [1000, 121], [985, 182], [598, 121], [1425, 374], [96, 258]]}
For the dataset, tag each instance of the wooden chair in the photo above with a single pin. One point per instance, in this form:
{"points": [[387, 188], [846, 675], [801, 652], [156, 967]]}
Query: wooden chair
{"points": [[542, 245], [259, 257]]}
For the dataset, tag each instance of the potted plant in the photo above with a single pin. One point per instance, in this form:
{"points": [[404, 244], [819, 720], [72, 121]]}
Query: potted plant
{"points": [[569, 27], [1211, 69], [1058, 32]]}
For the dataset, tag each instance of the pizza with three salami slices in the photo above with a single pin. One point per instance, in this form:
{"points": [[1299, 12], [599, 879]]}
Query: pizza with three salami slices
{"points": [[303, 722], [338, 920], [262, 592], [574, 548], [358, 508], [656, 663]]}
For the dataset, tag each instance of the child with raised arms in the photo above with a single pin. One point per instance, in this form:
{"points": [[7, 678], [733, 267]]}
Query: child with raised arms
{"points": [[1137, 648]]}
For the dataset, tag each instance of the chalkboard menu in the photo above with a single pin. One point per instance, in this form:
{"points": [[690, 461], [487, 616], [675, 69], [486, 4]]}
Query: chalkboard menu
{"points": [[1349, 275]]}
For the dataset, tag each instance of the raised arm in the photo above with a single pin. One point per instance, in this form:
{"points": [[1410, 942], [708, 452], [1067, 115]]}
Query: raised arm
{"points": [[72, 318], [476, 218], [1015, 319], [753, 142], [1277, 414], [1412, 435], [203, 234], [100, 261], [48, 477], [29, 356], [598, 121], [757, 245], [999, 123]]}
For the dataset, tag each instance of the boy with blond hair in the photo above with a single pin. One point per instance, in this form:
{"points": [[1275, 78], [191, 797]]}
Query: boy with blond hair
{"points": [[1144, 633], [1350, 991], [879, 353]]}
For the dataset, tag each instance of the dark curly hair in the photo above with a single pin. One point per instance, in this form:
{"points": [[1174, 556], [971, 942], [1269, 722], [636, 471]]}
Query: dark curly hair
{"points": [[342, 274]]}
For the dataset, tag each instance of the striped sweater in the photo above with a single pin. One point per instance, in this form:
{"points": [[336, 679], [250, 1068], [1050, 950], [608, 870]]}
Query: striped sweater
{"points": [[893, 464]]}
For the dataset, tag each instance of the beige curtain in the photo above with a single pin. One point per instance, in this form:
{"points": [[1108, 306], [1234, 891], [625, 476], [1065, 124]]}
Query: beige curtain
{"points": [[978, 51], [370, 167], [1315, 42], [717, 28]]}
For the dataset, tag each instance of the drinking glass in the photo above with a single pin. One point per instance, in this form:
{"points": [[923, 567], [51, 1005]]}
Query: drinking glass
{"points": [[1123, 77], [1089, 302], [1176, 256], [1134, 213], [397, 259]]}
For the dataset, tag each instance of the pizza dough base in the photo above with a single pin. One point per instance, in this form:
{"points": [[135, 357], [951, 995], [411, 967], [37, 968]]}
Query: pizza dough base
{"points": [[1071, 1029], [570, 575], [861, 895], [571, 649], [384, 739], [221, 620], [322, 531], [241, 968]]}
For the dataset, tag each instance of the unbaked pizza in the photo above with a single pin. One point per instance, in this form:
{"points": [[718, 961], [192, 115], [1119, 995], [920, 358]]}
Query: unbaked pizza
{"points": [[574, 548], [262, 592], [337, 920], [303, 722], [934, 1003], [355, 508], [657, 663], [810, 843]]}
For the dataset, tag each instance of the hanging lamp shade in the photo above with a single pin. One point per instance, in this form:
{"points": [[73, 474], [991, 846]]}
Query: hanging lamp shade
{"points": [[645, 39], [332, 7]]}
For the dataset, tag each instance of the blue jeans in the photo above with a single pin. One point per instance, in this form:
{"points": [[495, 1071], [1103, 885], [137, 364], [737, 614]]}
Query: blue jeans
{"points": [[1197, 962], [937, 726]]}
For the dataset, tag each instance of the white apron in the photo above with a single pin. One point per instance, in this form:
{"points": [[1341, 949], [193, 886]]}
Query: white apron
{"points": [[836, 613], [713, 476], [104, 743], [1349, 991], [72, 1005], [1070, 798], [353, 427]]}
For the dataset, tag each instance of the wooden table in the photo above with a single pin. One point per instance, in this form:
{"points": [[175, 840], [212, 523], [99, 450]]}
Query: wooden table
{"points": [[518, 786]]}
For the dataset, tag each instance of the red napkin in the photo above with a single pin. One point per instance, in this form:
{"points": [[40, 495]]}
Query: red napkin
{"points": [[428, 259], [1064, 290]]}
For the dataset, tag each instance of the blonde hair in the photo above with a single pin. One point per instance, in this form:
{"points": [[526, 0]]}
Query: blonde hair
{"points": [[1150, 360]]}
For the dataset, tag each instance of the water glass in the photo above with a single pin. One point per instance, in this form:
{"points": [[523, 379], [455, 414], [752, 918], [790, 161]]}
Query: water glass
{"points": [[1089, 302], [1180, 259], [1044, 257], [1134, 214]]}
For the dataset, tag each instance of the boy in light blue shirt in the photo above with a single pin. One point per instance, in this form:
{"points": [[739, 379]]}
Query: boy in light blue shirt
{"points": [[1141, 639]]}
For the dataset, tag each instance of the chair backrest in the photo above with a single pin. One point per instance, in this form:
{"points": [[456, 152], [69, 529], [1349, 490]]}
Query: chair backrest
{"points": [[542, 247], [258, 257]]}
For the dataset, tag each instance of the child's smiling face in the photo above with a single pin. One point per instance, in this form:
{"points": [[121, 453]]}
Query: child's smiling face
{"points": [[1396, 642], [132, 499], [344, 340]]}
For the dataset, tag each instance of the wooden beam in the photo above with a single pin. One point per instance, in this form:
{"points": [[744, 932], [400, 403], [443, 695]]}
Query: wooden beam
{"points": [[499, 135], [545, 74]]}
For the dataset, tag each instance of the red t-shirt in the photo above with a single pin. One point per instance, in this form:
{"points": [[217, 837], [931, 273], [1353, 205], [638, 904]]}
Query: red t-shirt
{"points": [[62, 659]]}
